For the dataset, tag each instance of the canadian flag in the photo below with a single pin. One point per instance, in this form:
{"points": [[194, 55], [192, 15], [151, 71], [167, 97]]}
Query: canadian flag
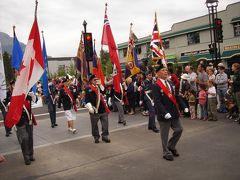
{"points": [[30, 72]]}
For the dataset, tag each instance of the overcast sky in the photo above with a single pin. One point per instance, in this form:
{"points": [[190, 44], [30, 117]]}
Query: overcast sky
{"points": [[61, 20]]}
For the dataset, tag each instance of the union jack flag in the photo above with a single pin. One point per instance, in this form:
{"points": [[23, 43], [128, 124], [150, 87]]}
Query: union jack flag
{"points": [[156, 44]]}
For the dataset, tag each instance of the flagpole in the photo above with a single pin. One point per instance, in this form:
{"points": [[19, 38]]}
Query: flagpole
{"points": [[36, 4], [104, 17]]}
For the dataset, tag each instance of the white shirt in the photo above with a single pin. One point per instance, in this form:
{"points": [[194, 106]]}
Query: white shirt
{"points": [[211, 90], [167, 85]]}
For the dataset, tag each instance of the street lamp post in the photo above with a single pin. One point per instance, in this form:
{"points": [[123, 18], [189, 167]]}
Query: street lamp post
{"points": [[215, 46]]}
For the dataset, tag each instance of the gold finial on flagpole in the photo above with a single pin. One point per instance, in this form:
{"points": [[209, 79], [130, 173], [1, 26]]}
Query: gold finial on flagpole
{"points": [[36, 4]]}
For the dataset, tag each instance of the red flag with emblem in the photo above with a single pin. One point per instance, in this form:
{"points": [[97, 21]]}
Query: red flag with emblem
{"points": [[30, 72], [107, 39]]}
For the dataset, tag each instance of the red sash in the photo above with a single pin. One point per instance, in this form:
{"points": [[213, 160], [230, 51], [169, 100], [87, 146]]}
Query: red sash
{"points": [[101, 97], [71, 97], [166, 91], [27, 105]]}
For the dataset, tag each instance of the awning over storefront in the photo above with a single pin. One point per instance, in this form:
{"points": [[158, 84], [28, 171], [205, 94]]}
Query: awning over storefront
{"points": [[195, 57], [230, 51], [236, 19], [171, 58]]}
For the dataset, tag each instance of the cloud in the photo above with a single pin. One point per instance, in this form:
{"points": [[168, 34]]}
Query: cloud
{"points": [[62, 20]]}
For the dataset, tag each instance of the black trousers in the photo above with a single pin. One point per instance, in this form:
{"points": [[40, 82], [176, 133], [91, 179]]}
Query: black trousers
{"points": [[94, 122], [25, 139], [52, 113]]}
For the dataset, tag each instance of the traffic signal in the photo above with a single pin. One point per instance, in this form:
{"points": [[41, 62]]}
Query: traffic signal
{"points": [[212, 48], [88, 46], [218, 30]]}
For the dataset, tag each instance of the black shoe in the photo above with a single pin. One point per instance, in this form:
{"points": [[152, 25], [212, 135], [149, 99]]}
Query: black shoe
{"points": [[150, 128], [7, 134], [52, 126], [124, 123], [96, 141], [155, 130], [120, 122], [55, 124], [174, 152], [27, 162], [106, 140], [10, 132], [168, 157], [32, 158]]}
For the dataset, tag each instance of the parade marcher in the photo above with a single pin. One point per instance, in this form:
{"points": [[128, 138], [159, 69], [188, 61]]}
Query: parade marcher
{"points": [[146, 96], [67, 98], [25, 129], [98, 109], [118, 100], [5, 103], [51, 101], [131, 96], [167, 113]]}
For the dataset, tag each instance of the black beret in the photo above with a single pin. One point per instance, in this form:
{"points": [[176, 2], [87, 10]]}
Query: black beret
{"points": [[91, 77]]}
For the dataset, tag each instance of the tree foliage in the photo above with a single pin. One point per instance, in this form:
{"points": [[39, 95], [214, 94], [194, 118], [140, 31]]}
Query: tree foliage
{"points": [[105, 63], [9, 72]]}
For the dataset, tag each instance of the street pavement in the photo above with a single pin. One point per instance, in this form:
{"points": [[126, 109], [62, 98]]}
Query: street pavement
{"points": [[208, 150]]}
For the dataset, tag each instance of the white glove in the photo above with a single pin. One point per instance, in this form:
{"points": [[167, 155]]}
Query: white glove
{"points": [[109, 101], [140, 103], [34, 98], [101, 86], [152, 102], [186, 110], [91, 110], [167, 116]]}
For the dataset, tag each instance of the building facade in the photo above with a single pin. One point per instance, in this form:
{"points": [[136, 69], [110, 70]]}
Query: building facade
{"points": [[189, 40], [59, 64]]}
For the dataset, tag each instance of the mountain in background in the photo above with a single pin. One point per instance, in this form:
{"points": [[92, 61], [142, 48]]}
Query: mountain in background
{"points": [[7, 43]]}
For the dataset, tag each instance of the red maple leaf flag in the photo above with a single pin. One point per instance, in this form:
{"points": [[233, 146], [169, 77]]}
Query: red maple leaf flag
{"points": [[30, 72], [107, 39]]}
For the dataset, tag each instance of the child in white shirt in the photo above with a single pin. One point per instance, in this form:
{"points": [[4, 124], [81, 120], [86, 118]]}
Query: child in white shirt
{"points": [[212, 102]]}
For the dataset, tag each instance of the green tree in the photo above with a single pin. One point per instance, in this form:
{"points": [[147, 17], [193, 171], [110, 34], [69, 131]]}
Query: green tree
{"points": [[61, 72], [105, 63], [193, 62], [71, 69], [9, 72]]}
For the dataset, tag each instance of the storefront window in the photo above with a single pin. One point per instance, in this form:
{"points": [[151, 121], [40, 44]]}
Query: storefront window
{"points": [[236, 28], [166, 43], [193, 38]]}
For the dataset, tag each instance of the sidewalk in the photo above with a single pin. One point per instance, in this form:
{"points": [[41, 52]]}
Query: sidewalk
{"points": [[209, 150]]}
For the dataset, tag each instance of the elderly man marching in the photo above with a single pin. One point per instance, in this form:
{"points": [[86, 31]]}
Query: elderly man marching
{"points": [[98, 109], [167, 113], [146, 96]]}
